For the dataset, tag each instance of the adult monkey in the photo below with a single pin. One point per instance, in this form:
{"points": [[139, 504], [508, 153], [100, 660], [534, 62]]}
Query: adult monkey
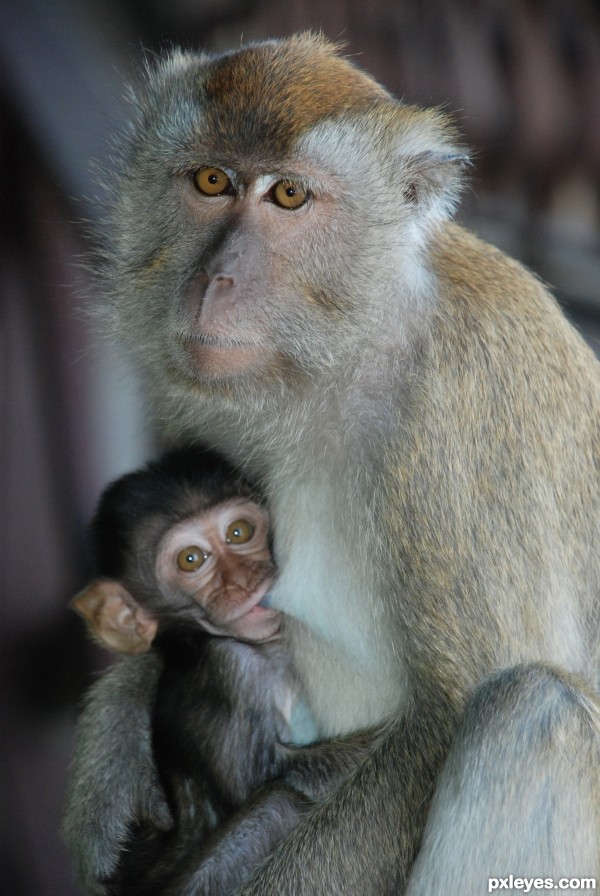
{"points": [[426, 425]]}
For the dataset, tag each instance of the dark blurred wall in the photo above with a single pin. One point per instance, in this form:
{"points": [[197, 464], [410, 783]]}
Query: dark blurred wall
{"points": [[523, 79]]}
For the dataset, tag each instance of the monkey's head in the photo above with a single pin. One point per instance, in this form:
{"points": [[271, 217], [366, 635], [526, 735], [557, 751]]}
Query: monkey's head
{"points": [[268, 204], [182, 542]]}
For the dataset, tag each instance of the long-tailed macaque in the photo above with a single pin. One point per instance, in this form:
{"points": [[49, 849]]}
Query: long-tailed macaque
{"points": [[425, 424], [185, 567]]}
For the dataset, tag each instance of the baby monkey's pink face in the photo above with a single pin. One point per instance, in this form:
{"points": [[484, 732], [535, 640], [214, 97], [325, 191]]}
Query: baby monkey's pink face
{"points": [[221, 560]]}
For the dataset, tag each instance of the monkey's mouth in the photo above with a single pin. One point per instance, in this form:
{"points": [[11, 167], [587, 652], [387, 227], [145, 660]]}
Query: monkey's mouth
{"points": [[256, 620], [219, 358]]}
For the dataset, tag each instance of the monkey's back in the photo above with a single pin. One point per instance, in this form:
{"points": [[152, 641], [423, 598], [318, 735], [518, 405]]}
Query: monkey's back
{"points": [[495, 473]]}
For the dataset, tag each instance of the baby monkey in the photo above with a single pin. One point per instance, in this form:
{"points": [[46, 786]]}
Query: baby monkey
{"points": [[181, 544], [185, 565]]}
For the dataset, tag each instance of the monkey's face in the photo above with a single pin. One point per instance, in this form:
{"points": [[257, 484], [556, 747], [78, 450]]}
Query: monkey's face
{"points": [[260, 217], [215, 568]]}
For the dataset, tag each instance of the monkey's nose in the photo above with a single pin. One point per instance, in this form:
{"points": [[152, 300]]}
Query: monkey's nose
{"points": [[220, 285], [221, 294], [194, 295], [205, 291], [223, 281]]}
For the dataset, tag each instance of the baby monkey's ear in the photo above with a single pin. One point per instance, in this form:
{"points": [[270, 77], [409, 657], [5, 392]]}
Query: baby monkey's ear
{"points": [[114, 618]]}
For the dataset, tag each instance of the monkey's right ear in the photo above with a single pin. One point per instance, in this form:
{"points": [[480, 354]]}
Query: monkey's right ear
{"points": [[434, 179], [114, 618]]}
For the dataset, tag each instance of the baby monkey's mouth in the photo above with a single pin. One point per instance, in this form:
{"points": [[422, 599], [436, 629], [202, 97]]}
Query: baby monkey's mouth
{"points": [[254, 620]]}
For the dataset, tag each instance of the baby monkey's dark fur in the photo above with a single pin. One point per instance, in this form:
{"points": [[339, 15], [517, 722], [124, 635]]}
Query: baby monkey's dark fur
{"points": [[219, 723]]}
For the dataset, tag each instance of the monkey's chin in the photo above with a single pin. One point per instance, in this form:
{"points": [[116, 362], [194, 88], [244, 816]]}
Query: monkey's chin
{"points": [[258, 621], [222, 360], [258, 624]]}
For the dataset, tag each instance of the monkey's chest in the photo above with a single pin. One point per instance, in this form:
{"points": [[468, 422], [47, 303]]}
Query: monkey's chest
{"points": [[351, 676]]}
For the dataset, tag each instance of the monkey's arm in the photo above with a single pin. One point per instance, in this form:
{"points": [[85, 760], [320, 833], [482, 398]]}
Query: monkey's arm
{"points": [[365, 785], [272, 813], [314, 770], [113, 779], [219, 864], [378, 813]]}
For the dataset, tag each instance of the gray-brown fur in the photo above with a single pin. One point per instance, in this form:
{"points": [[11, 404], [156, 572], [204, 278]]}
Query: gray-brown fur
{"points": [[428, 442]]}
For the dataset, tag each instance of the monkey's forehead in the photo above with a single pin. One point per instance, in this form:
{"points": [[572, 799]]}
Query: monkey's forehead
{"points": [[259, 99]]}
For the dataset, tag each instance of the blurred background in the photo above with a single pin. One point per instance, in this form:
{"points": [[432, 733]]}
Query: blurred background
{"points": [[523, 80]]}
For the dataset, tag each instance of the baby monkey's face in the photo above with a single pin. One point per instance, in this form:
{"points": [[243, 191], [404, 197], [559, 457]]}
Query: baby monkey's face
{"points": [[220, 561]]}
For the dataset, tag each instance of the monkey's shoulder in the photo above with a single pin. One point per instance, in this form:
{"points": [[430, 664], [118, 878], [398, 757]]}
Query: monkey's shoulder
{"points": [[492, 309], [205, 668], [480, 275], [190, 649]]}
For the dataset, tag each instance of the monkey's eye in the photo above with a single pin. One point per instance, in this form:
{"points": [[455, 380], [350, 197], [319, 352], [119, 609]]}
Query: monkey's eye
{"points": [[191, 559], [287, 194], [239, 532], [212, 181]]}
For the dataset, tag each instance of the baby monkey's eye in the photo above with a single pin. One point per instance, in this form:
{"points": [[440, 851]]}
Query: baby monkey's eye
{"points": [[239, 532], [191, 559], [212, 181], [287, 194]]}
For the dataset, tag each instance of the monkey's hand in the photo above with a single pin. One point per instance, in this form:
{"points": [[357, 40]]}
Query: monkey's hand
{"points": [[315, 770], [239, 844], [361, 840], [114, 783], [246, 839], [242, 842]]}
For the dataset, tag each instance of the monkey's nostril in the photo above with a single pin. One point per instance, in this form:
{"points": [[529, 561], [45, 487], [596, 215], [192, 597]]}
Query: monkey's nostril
{"points": [[224, 281]]}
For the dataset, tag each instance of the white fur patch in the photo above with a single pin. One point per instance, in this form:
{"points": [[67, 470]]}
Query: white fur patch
{"points": [[327, 586]]}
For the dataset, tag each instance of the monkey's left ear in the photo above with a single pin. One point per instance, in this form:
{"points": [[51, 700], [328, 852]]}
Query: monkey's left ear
{"points": [[433, 180], [114, 619]]}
